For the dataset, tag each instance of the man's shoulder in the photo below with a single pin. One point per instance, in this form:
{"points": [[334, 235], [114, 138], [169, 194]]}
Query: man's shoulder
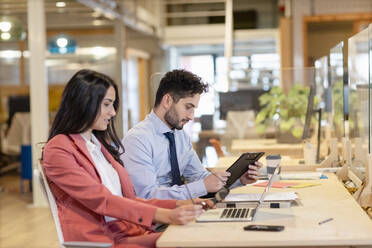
{"points": [[142, 130]]}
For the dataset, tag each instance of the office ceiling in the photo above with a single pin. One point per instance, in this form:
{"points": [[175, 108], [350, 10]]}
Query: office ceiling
{"points": [[73, 15]]}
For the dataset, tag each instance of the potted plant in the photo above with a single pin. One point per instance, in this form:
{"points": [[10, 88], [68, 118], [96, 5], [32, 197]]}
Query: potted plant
{"points": [[285, 111]]}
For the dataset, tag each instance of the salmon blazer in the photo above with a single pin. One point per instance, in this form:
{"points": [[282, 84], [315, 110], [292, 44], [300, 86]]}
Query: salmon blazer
{"points": [[83, 200]]}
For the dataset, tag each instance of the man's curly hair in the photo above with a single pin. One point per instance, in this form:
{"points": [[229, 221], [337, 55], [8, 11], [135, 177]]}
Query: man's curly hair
{"points": [[180, 84]]}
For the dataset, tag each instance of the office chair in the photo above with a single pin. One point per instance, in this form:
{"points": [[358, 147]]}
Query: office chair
{"points": [[240, 125], [217, 146], [40, 177], [9, 159]]}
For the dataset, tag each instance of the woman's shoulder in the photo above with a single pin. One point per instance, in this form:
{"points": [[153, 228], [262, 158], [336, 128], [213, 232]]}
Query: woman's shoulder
{"points": [[58, 141]]}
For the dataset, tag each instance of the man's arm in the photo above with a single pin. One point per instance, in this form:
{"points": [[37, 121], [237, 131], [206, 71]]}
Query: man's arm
{"points": [[139, 163]]}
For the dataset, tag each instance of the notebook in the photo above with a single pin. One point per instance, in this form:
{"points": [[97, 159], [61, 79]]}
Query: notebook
{"points": [[235, 214]]}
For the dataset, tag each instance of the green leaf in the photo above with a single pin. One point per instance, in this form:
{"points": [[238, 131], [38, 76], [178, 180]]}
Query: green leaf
{"points": [[260, 128], [297, 131], [261, 116], [285, 125]]}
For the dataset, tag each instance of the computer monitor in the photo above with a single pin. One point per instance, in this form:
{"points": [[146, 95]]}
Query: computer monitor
{"points": [[240, 100], [17, 103]]}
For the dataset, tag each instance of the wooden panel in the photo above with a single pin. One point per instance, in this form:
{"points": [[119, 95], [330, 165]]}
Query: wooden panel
{"points": [[74, 32], [143, 87], [357, 19], [338, 17], [55, 94], [286, 58]]}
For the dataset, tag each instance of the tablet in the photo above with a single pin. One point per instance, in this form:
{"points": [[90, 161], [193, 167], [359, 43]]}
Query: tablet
{"points": [[240, 166]]}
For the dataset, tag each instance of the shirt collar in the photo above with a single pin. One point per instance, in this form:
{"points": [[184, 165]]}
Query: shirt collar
{"points": [[159, 125], [93, 143]]}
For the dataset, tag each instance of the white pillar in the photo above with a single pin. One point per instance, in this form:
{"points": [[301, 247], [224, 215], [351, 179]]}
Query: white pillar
{"points": [[38, 87], [122, 122], [228, 37]]}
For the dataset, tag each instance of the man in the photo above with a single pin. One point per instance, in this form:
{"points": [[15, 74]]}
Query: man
{"points": [[158, 153]]}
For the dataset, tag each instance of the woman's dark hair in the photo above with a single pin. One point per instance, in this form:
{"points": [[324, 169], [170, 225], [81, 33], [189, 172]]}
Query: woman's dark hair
{"points": [[80, 105], [179, 84]]}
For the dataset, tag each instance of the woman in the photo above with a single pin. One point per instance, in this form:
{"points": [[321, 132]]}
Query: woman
{"points": [[94, 194]]}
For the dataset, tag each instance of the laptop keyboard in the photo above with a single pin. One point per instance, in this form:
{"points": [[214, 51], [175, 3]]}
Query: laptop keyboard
{"points": [[235, 213]]}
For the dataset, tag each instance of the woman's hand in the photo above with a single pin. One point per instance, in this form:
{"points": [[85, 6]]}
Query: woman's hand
{"points": [[178, 216], [207, 204]]}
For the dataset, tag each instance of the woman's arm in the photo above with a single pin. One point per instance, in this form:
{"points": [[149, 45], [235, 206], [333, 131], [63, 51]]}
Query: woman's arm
{"points": [[63, 169]]}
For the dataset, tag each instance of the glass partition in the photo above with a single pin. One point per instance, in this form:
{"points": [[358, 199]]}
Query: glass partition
{"points": [[369, 87], [256, 113], [339, 96], [322, 105], [358, 70], [321, 82]]}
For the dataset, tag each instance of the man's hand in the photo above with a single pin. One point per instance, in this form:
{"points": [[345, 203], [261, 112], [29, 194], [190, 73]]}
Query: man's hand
{"points": [[215, 181], [251, 175]]}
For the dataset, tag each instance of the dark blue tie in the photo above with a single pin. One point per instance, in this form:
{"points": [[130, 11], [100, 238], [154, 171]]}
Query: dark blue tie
{"points": [[175, 170]]}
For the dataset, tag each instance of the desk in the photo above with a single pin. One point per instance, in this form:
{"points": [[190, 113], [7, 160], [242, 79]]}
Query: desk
{"points": [[350, 225], [269, 146], [287, 164]]}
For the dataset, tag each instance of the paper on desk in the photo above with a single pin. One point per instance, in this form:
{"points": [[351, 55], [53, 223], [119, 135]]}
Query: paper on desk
{"points": [[277, 184], [301, 176], [304, 185], [279, 196]]}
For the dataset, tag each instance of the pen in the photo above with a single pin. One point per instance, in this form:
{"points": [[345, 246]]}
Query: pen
{"points": [[204, 205], [325, 221]]}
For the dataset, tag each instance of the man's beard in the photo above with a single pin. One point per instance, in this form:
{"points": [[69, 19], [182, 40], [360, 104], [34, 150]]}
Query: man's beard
{"points": [[171, 117]]}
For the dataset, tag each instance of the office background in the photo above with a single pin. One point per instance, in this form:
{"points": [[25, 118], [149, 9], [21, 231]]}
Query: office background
{"points": [[242, 48]]}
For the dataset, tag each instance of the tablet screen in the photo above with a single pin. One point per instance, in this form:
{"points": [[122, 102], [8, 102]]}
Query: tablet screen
{"points": [[240, 166]]}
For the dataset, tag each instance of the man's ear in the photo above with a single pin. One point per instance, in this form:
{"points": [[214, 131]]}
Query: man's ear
{"points": [[167, 101]]}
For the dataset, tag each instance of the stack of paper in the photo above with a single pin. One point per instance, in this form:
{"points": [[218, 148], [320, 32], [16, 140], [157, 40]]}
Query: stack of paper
{"points": [[301, 176], [277, 196]]}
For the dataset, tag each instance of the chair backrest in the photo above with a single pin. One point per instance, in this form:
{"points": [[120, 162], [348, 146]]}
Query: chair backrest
{"points": [[217, 146], [240, 124], [40, 177]]}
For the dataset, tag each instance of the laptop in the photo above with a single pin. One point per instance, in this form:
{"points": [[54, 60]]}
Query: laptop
{"points": [[235, 214]]}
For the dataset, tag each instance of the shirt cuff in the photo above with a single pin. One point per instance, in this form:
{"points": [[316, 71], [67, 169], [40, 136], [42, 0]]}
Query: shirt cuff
{"points": [[237, 183], [197, 188]]}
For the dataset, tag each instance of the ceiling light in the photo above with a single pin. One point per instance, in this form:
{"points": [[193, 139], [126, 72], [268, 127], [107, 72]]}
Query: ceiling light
{"points": [[5, 26], [60, 4], [5, 36], [99, 52], [62, 42], [11, 29]]}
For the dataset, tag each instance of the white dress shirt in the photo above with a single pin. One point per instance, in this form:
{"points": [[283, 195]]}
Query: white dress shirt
{"points": [[109, 176]]}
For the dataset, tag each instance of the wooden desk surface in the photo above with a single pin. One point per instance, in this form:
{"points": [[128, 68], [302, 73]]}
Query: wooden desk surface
{"points": [[350, 225], [269, 146]]}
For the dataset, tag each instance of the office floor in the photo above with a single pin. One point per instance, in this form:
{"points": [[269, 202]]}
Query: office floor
{"points": [[22, 225]]}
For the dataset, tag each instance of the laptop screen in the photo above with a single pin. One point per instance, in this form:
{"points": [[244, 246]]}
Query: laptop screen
{"points": [[264, 193]]}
